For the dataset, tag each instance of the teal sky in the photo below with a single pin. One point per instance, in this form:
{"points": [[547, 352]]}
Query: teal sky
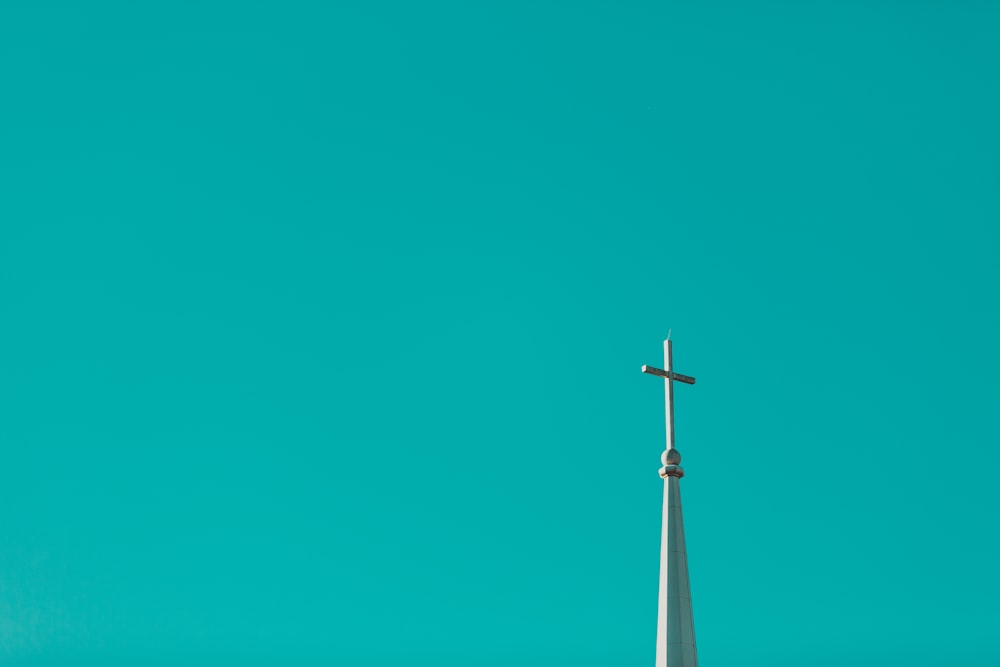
{"points": [[322, 325]]}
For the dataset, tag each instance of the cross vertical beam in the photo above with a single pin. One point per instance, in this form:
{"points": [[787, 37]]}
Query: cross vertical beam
{"points": [[668, 366]]}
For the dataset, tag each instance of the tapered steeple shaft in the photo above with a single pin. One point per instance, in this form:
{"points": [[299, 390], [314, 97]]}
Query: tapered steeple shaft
{"points": [[675, 645]]}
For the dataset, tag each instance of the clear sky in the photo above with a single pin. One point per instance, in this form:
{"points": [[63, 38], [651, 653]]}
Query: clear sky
{"points": [[322, 325]]}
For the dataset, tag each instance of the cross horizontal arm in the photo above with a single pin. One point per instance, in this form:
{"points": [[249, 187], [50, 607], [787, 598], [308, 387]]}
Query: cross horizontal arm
{"points": [[651, 370]]}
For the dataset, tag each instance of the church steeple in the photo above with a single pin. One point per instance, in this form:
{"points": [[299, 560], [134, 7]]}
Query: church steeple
{"points": [[675, 645]]}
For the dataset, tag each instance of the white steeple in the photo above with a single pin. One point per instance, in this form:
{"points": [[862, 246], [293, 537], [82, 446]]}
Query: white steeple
{"points": [[675, 645]]}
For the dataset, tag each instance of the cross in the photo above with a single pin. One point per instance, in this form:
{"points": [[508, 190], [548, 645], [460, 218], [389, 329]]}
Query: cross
{"points": [[668, 376]]}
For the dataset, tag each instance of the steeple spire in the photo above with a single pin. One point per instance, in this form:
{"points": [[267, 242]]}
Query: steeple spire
{"points": [[675, 646]]}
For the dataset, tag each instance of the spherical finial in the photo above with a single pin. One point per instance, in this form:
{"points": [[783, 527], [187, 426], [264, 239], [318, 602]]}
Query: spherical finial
{"points": [[671, 457]]}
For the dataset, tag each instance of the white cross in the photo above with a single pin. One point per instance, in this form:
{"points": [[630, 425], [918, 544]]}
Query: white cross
{"points": [[668, 376]]}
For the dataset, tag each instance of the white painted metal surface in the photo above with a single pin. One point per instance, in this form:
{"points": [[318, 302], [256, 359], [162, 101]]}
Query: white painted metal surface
{"points": [[675, 645]]}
